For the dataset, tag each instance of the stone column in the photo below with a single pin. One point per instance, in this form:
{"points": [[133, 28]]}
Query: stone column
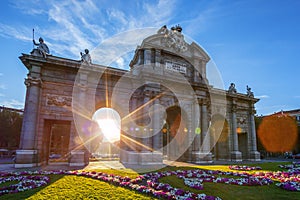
{"points": [[157, 155], [202, 65], [157, 58], [196, 130], [254, 154], [197, 70], [141, 57], [190, 133], [128, 150], [206, 154], [157, 142], [145, 132], [77, 155], [147, 56], [132, 146], [27, 155], [236, 155]]}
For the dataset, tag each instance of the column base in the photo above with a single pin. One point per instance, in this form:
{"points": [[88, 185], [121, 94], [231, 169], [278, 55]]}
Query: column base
{"points": [[254, 156], [236, 156], [26, 158], [201, 157], [141, 158], [77, 158]]}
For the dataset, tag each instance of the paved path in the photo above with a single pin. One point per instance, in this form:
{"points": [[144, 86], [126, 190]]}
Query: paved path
{"points": [[118, 165]]}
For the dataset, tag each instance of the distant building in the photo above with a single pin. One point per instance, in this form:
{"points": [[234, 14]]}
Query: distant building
{"points": [[20, 111], [293, 113]]}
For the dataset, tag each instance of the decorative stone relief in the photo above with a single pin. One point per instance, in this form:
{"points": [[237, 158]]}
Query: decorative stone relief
{"points": [[173, 38], [241, 120], [55, 100]]}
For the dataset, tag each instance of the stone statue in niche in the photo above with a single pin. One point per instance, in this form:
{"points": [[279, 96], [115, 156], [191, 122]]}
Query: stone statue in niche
{"points": [[249, 92], [232, 88], [86, 57], [173, 38], [42, 48]]}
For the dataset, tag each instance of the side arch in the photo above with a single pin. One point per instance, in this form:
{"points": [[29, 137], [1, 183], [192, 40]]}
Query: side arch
{"points": [[219, 131]]}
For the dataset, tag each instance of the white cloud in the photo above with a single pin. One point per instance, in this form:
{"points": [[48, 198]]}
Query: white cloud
{"points": [[70, 35], [116, 46], [12, 104], [262, 96], [159, 14], [29, 7], [120, 62], [76, 25], [20, 33]]}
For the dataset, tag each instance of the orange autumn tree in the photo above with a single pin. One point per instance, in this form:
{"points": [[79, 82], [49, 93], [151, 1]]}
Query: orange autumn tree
{"points": [[278, 133]]}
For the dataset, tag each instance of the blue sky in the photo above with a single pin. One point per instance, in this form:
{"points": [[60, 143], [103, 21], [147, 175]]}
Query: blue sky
{"points": [[253, 43]]}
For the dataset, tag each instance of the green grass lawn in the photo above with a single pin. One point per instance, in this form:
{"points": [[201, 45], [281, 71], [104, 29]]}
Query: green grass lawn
{"points": [[78, 187]]}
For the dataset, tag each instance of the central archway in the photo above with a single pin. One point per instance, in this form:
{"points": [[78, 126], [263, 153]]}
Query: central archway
{"points": [[109, 131], [220, 137], [175, 134]]}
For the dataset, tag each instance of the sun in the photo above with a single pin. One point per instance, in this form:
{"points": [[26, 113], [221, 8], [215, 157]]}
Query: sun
{"points": [[110, 129], [109, 123]]}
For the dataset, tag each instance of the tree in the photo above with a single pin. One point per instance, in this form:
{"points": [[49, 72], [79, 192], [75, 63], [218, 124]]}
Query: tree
{"points": [[10, 128]]}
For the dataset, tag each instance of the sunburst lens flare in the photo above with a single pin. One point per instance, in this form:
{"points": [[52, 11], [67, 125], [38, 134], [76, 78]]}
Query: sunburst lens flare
{"points": [[109, 123]]}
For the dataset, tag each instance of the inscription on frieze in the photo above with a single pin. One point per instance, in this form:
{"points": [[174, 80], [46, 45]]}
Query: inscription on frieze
{"points": [[177, 67]]}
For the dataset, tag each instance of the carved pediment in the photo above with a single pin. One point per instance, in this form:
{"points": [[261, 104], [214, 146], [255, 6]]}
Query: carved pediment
{"points": [[173, 40]]}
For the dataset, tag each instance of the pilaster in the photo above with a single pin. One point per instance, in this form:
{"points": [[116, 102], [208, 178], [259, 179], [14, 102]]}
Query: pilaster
{"points": [[254, 154], [205, 154], [236, 155], [27, 155]]}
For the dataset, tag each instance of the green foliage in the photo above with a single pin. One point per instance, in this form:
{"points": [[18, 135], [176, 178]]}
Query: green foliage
{"points": [[10, 128]]}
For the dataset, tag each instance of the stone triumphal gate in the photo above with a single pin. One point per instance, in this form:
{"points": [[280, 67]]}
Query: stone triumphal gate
{"points": [[167, 106]]}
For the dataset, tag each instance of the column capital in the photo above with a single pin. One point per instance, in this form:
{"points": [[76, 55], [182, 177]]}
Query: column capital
{"points": [[82, 87], [32, 81], [203, 102], [252, 111]]}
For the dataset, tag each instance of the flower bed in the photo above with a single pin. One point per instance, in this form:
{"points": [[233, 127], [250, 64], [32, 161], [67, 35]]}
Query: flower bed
{"points": [[27, 182], [294, 167], [243, 168], [149, 183]]}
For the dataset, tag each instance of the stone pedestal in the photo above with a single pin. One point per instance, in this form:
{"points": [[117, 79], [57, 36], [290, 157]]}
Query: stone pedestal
{"points": [[236, 156], [77, 158], [254, 156], [200, 157], [26, 158], [141, 158]]}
